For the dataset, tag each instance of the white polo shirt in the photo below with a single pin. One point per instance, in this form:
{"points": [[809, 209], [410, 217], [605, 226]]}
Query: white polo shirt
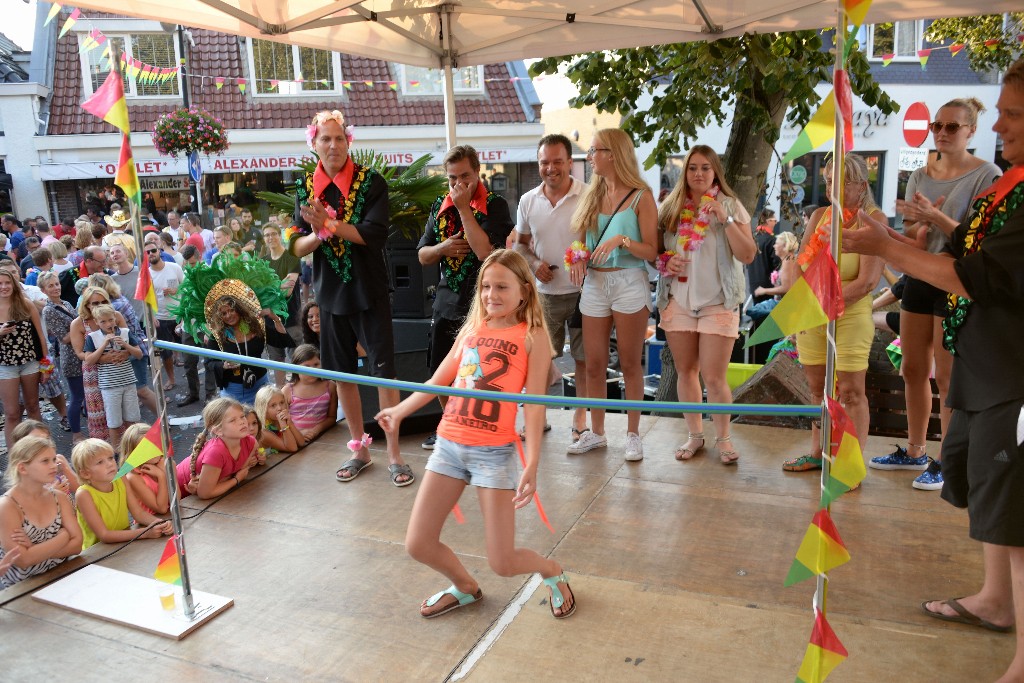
{"points": [[551, 229]]}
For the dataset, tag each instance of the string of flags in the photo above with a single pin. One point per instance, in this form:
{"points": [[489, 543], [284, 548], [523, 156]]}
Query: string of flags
{"points": [[954, 50], [151, 74]]}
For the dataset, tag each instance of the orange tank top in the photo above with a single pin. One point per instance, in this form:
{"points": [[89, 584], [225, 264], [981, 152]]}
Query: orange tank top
{"points": [[491, 360]]}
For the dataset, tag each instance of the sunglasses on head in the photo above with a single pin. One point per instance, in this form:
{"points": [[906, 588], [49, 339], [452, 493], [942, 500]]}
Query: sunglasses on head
{"points": [[951, 126]]}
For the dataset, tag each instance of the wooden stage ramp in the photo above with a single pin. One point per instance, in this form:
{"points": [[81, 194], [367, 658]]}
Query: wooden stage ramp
{"points": [[677, 567]]}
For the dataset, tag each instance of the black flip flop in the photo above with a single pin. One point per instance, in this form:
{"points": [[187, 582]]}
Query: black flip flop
{"points": [[963, 616]]}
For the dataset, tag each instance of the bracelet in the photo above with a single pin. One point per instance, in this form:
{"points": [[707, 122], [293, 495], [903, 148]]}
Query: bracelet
{"points": [[576, 253], [626, 242], [662, 263]]}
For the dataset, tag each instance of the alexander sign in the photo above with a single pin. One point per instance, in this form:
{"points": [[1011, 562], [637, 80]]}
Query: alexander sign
{"points": [[256, 163]]}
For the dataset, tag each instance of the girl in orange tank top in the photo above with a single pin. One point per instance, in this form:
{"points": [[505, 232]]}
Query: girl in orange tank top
{"points": [[502, 346]]}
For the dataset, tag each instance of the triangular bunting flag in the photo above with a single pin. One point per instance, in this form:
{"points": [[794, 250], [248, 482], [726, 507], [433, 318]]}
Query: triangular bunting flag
{"points": [[368, 84], [219, 81], [54, 11], [149, 447], [824, 652], [300, 79], [821, 550], [923, 56], [241, 85], [169, 568], [414, 84], [817, 131], [814, 299], [847, 470], [347, 85], [393, 85], [856, 10], [108, 103], [71, 20], [992, 44], [955, 49], [273, 84], [844, 101], [887, 59], [127, 177]]}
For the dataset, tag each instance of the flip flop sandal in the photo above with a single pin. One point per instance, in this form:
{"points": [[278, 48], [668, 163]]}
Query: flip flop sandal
{"points": [[805, 463], [687, 453], [963, 616], [354, 466], [462, 599], [557, 599], [397, 471]]}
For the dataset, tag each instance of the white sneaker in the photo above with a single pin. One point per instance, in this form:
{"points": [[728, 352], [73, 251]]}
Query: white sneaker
{"points": [[588, 441], [634, 447]]}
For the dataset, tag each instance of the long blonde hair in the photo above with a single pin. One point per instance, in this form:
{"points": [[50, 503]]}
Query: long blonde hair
{"points": [[19, 302], [672, 207], [855, 169], [106, 283], [213, 415], [132, 437], [25, 451], [262, 401], [529, 310], [627, 172], [84, 311]]}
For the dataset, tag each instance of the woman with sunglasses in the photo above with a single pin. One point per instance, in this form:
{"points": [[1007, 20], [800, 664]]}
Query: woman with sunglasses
{"points": [[80, 327], [939, 195]]}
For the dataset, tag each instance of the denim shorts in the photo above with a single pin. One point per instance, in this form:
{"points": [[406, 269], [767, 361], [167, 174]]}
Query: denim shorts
{"points": [[488, 467], [19, 371]]}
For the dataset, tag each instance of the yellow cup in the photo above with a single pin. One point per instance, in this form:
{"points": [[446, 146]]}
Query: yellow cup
{"points": [[167, 599]]}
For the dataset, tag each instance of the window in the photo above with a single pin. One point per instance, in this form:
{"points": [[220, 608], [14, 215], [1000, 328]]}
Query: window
{"points": [[902, 39], [418, 80], [155, 49], [296, 70]]}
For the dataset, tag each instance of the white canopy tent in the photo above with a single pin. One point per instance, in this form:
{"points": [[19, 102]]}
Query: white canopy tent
{"points": [[448, 35]]}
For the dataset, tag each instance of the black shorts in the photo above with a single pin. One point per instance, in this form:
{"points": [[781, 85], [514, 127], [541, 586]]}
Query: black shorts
{"points": [[442, 338], [340, 332], [165, 332], [983, 470], [892, 319], [921, 297]]}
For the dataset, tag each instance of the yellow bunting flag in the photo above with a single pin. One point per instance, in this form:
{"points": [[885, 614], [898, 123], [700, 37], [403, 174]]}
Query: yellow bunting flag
{"points": [[169, 568], [817, 132], [108, 103], [149, 447], [856, 10], [219, 82], [54, 11], [821, 550], [847, 470], [824, 652], [71, 21]]}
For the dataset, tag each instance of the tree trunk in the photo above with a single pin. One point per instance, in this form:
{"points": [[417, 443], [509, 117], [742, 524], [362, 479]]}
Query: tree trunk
{"points": [[749, 151]]}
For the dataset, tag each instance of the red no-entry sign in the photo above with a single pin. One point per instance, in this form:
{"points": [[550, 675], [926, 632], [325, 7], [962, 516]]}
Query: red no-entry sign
{"points": [[915, 124]]}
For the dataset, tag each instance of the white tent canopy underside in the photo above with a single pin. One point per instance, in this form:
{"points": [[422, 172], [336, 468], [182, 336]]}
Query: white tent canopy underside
{"points": [[492, 31]]}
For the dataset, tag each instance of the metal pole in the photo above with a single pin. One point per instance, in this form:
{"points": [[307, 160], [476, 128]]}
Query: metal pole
{"points": [[194, 191], [448, 64]]}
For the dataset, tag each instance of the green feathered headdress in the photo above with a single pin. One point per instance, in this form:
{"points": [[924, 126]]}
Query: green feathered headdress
{"points": [[190, 309]]}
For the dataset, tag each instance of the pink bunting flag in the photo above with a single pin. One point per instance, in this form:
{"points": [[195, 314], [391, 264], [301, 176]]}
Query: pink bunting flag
{"points": [[273, 84], [219, 81], [71, 21]]}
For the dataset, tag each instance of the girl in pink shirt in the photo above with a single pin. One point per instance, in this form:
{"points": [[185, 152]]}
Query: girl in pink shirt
{"points": [[222, 454]]}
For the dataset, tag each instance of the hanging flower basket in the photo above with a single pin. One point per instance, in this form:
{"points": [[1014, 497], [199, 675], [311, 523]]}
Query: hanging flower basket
{"points": [[186, 130]]}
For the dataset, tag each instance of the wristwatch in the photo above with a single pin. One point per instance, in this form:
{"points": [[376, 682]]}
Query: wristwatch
{"points": [[730, 220], [626, 242]]}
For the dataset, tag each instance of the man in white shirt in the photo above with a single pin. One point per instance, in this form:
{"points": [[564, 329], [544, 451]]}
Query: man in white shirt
{"points": [[167, 277], [543, 233], [173, 228]]}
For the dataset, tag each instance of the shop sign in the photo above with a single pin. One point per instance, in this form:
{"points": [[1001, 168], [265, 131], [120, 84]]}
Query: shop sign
{"points": [[284, 162], [174, 184], [912, 158]]}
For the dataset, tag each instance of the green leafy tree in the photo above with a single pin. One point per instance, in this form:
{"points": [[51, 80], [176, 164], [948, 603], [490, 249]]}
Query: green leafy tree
{"points": [[752, 79], [975, 31]]}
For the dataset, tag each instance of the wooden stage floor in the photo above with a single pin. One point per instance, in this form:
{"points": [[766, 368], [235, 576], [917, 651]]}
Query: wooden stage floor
{"points": [[677, 567]]}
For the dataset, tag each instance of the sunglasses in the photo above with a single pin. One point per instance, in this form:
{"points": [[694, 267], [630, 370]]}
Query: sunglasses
{"points": [[152, 251], [594, 150], [951, 126]]}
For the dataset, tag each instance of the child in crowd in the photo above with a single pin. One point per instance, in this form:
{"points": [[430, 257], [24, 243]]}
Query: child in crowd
{"points": [[37, 526], [222, 454], [312, 402], [503, 346], [279, 432], [148, 481], [65, 481], [116, 380], [310, 322], [252, 419], [104, 503]]}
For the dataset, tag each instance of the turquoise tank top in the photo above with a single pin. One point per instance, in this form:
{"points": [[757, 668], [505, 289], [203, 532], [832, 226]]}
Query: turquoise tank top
{"points": [[622, 223]]}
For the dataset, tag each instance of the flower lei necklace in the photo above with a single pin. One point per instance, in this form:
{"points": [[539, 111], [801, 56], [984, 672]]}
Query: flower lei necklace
{"points": [[336, 250], [455, 269], [822, 234], [991, 212], [692, 228]]}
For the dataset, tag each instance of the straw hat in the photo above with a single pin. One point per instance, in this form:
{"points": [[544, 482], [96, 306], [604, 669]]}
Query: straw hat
{"points": [[117, 219], [242, 294]]}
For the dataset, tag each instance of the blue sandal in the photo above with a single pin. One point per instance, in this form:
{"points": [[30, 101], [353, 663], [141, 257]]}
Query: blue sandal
{"points": [[462, 599], [557, 599]]}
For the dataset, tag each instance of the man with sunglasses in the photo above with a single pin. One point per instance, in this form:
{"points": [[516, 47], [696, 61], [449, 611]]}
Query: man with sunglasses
{"points": [[94, 260]]}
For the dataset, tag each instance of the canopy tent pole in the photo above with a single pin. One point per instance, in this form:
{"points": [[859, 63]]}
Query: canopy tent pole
{"points": [[449, 62]]}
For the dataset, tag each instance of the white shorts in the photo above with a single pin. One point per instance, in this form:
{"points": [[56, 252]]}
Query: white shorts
{"points": [[622, 291], [121, 404]]}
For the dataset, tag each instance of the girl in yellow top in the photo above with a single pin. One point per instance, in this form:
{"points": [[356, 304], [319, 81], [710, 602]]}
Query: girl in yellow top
{"points": [[854, 329], [104, 502]]}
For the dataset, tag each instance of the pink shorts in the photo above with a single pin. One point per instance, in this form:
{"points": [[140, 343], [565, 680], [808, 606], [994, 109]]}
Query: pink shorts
{"points": [[715, 319]]}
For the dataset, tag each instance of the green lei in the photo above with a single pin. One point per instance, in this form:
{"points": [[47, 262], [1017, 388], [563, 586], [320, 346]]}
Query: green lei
{"points": [[988, 219], [455, 269], [336, 250]]}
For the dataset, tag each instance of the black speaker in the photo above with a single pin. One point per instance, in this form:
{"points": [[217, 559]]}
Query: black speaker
{"points": [[413, 284]]}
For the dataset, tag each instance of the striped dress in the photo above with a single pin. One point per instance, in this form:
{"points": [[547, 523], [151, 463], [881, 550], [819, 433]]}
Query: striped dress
{"points": [[36, 535]]}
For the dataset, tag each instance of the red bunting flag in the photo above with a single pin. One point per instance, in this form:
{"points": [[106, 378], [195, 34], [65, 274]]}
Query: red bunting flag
{"points": [[241, 85], [955, 49], [347, 85], [149, 447], [844, 102], [847, 470], [887, 59], [923, 56], [108, 103], [219, 82], [821, 550], [393, 85], [824, 652], [169, 568]]}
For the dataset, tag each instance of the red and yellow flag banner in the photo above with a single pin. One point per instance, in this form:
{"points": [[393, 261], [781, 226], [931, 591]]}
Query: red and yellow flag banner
{"points": [[824, 652], [169, 568], [108, 103], [148, 448], [821, 550], [847, 470]]}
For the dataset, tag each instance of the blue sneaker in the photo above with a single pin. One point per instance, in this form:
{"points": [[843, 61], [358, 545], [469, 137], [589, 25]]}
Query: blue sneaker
{"points": [[931, 478], [899, 460]]}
